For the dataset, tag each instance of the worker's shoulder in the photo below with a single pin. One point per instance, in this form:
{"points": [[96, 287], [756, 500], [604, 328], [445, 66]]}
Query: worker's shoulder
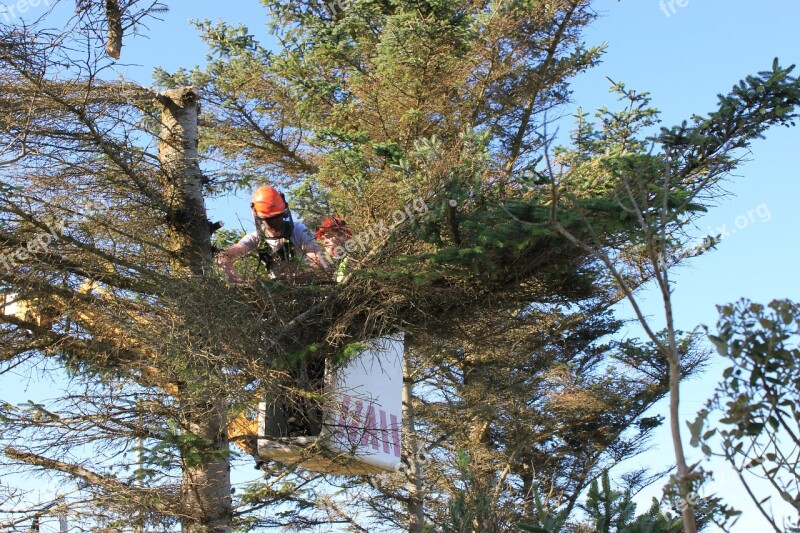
{"points": [[250, 239], [301, 231]]}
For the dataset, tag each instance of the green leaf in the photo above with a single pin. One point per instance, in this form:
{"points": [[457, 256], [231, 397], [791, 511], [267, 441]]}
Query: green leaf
{"points": [[694, 429], [773, 422], [721, 345], [754, 462]]}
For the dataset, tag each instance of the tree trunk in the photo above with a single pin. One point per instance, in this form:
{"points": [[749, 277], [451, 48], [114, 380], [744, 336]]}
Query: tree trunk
{"points": [[182, 182], [205, 486], [115, 30], [684, 483], [674, 358], [527, 491], [416, 496]]}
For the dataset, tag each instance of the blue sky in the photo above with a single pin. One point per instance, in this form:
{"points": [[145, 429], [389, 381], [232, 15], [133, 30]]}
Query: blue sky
{"points": [[684, 56]]}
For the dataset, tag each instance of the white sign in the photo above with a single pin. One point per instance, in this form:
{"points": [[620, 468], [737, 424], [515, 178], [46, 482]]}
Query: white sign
{"points": [[365, 412], [362, 417]]}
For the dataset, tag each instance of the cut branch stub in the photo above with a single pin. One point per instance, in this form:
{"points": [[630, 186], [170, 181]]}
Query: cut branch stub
{"points": [[114, 19]]}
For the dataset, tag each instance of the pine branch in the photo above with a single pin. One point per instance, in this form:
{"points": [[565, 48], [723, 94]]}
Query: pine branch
{"points": [[155, 500]]}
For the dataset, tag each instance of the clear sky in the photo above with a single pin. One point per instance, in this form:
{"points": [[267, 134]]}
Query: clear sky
{"points": [[684, 52]]}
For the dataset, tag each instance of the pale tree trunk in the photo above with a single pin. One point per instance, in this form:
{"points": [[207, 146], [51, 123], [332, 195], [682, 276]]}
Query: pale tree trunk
{"points": [[670, 350], [182, 182], [675, 371], [416, 495], [205, 486], [115, 30]]}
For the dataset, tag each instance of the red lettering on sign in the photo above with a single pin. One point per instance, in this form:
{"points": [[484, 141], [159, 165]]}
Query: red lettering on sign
{"points": [[367, 432], [370, 436], [355, 427], [349, 421], [395, 435], [343, 409]]}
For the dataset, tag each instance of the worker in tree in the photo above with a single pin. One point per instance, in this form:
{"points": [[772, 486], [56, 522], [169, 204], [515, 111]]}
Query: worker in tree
{"points": [[285, 247], [333, 234], [288, 250], [304, 417]]}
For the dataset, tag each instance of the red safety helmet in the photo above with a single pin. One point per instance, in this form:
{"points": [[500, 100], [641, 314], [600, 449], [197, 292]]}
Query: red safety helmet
{"points": [[268, 202], [333, 224]]}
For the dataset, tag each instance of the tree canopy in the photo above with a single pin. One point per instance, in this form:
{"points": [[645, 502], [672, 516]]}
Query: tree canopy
{"points": [[499, 255]]}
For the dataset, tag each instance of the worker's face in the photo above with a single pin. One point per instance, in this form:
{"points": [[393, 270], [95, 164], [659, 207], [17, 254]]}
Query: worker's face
{"points": [[332, 239], [272, 226]]}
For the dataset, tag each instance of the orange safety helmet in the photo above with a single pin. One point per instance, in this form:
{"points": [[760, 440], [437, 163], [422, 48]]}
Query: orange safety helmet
{"points": [[268, 202], [333, 224]]}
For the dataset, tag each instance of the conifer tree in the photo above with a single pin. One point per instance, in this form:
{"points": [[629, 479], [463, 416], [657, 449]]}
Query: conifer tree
{"points": [[425, 122], [106, 276]]}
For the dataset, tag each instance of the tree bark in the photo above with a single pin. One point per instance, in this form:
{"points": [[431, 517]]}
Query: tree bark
{"points": [[115, 30], [182, 182], [416, 496], [205, 485]]}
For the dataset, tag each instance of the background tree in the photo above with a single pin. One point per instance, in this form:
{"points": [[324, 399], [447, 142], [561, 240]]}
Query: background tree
{"points": [[105, 239], [661, 184], [755, 410]]}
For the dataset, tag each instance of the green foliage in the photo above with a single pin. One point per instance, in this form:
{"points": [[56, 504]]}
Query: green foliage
{"points": [[195, 450], [613, 511], [755, 104], [753, 418], [547, 521], [610, 511], [615, 181], [351, 350], [470, 505], [226, 237]]}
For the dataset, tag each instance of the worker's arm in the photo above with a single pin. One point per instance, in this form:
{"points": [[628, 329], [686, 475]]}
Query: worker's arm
{"points": [[309, 248], [226, 258]]}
